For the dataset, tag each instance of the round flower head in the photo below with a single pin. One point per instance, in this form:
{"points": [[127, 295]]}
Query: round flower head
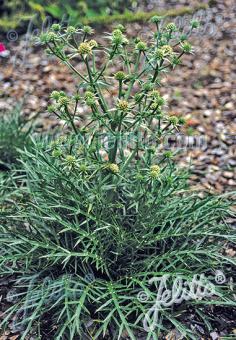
{"points": [[90, 98], [183, 37], [70, 160], [71, 30], [186, 47], [171, 27], [148, 86], [120, 75], [89, 94], [167, 50], [113, 167], [141, 46], [121, 28], [51, 36], [56, 27], [154, 171], [155, 167], [55, 95], [93, 43], [154, 174], [122, 105], [174, 120], [63, 101], [168, 154], [156, 19], [57, 153], [159, 54], [87, 30], [51, 108], [118, 37], [155, 94], [85, 48], [195, 24], [83, 167]]}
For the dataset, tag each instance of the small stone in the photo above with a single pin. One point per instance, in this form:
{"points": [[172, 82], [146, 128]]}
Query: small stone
{"points": [[229, 106], [228, 174]]}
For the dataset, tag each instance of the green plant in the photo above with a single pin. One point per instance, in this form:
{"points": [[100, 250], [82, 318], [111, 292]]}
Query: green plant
{"points": [[14, 135], [96, 219]]}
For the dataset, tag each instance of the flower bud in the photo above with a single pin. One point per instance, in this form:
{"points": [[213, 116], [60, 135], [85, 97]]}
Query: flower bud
{"points": [[87, 30], [83, 167], [113, 167], [70, 160], [120, 75], [194, 24], [63, 101], [90, 98], [71, 30], [186, 47], [154, 174], [154, 171], [155, 167], [56, 27], [57, 153], [51, 36], [168, 154], [156, 19], [85, 48], [122, 105], [174, 120], [55, 95], [51, 108], [121, 28], [93, 43], [171, 27], [141, 46], [167, 50]]}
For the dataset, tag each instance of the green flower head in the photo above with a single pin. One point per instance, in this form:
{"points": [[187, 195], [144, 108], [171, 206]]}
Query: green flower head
{"points": [[88, 30], [93, 43], [57, 153], [56, 27], [174, 120], [186, 47], [71, 30], [122, 105], [194, 24], [154, 171], [113, 167], [70, 161], [120, 75], [171, 27], [85, 48], [55, 95], [51, 36], [141, 46], [156, 19], [63, 101]]}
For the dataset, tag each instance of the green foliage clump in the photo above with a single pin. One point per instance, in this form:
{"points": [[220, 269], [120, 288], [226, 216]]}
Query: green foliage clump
{"points": [[98, 219], [14, 135]]}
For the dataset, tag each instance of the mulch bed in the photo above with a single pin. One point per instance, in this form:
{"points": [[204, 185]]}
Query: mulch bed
{"points": [[202, 90]]}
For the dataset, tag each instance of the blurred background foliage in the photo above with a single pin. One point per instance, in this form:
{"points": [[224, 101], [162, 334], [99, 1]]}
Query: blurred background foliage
{"points": [[17, 13]]}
